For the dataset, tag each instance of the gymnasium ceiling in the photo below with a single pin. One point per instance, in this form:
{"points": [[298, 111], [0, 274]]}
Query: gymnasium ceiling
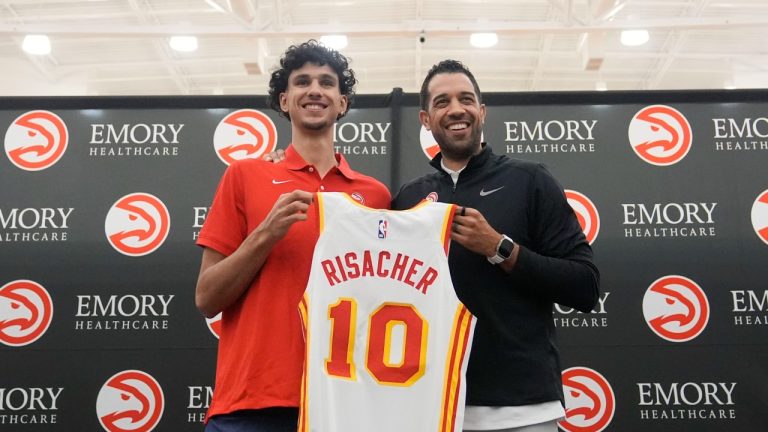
{"points": [[120, 47]]}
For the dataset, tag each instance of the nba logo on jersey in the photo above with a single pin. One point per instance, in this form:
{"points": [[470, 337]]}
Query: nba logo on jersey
{"points": [[382, 228]]}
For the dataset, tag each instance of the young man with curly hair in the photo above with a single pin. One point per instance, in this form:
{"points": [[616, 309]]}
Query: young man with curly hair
{"points": [[258, 240]]}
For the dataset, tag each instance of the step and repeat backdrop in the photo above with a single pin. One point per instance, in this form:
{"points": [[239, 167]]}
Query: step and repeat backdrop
{"points": [[101, 200]]}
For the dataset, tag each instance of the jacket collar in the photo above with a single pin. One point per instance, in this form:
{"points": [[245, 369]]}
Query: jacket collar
{"points": [[475, 163]]}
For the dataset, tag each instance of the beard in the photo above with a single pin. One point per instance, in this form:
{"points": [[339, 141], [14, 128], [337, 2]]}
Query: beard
{"points": [[458, 149]]}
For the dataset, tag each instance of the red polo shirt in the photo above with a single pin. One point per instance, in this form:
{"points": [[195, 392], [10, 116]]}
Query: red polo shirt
{"points": [[261, 350]]}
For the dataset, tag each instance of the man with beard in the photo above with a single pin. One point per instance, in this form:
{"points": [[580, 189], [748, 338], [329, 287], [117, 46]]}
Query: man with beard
{"points": [[518, 249], [259, 237]]}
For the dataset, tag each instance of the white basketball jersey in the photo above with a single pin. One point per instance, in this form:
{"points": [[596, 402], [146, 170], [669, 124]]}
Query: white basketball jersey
{"points": [[387, 339]]}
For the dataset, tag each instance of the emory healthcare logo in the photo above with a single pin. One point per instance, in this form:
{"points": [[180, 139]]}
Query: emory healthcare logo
{"points": [[660, 135], [36, 140], [586, 213], [676, 308], [760, 216], [244, 134], [137, 224], [214, 325], [130, 401], [26, 311], [589, 401]]}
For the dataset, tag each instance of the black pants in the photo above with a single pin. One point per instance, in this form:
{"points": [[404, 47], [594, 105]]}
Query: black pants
{"points": [[276, 419]]}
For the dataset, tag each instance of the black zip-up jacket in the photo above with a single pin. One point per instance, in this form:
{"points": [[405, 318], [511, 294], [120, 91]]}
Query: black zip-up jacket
{"points": [[514, 359]]}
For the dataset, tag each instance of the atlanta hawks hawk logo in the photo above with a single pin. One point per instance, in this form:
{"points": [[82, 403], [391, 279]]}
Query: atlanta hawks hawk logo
{"points": [[676, 308], [660, 135], [36, 140], [759, 216], [130, 401], [589, 401], [137, 224], [244, 134], [586, 213], [26, 311]]}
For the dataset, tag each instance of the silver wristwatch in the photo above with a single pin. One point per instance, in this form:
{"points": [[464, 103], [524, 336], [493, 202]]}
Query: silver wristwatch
{"points": [[503, 250]]}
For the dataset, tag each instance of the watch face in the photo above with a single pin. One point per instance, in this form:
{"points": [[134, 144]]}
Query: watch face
{"points": [[506, 247]]}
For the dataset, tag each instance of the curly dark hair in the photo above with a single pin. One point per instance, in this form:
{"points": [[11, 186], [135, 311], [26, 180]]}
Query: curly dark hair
{"points": [[311, 51], [446, 66]]}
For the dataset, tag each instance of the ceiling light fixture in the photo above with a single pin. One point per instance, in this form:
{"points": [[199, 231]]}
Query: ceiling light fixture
{"points": [[483, 40], [336, 42], [634, 37], [36, 44], [183, 43]]}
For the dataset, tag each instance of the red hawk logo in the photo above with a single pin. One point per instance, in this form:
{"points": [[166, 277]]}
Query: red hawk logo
{"points": [[244, 134], [130, 401], [137, 224], [589, 401], [36, 140], [586, 213], [660, 135], [676, 308], [26, 311]]}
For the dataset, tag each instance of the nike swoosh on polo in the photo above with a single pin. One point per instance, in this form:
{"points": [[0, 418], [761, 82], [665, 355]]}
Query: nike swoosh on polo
{"points": [[280, 181], [486, 193]]}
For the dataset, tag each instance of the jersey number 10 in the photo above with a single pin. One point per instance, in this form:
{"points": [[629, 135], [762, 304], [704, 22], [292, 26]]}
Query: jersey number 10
{"points": [[381, 325]]}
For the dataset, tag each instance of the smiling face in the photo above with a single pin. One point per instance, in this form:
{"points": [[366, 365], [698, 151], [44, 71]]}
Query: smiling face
{"points": [[312, 98], [454, 115]]}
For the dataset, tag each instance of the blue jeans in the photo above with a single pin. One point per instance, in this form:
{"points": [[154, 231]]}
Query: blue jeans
{"points": [[277, 419]]}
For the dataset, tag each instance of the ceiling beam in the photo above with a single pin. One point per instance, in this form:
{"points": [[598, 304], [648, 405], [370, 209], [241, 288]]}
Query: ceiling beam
{"points": [[677, 40], [408, 28], [162, 48]]}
